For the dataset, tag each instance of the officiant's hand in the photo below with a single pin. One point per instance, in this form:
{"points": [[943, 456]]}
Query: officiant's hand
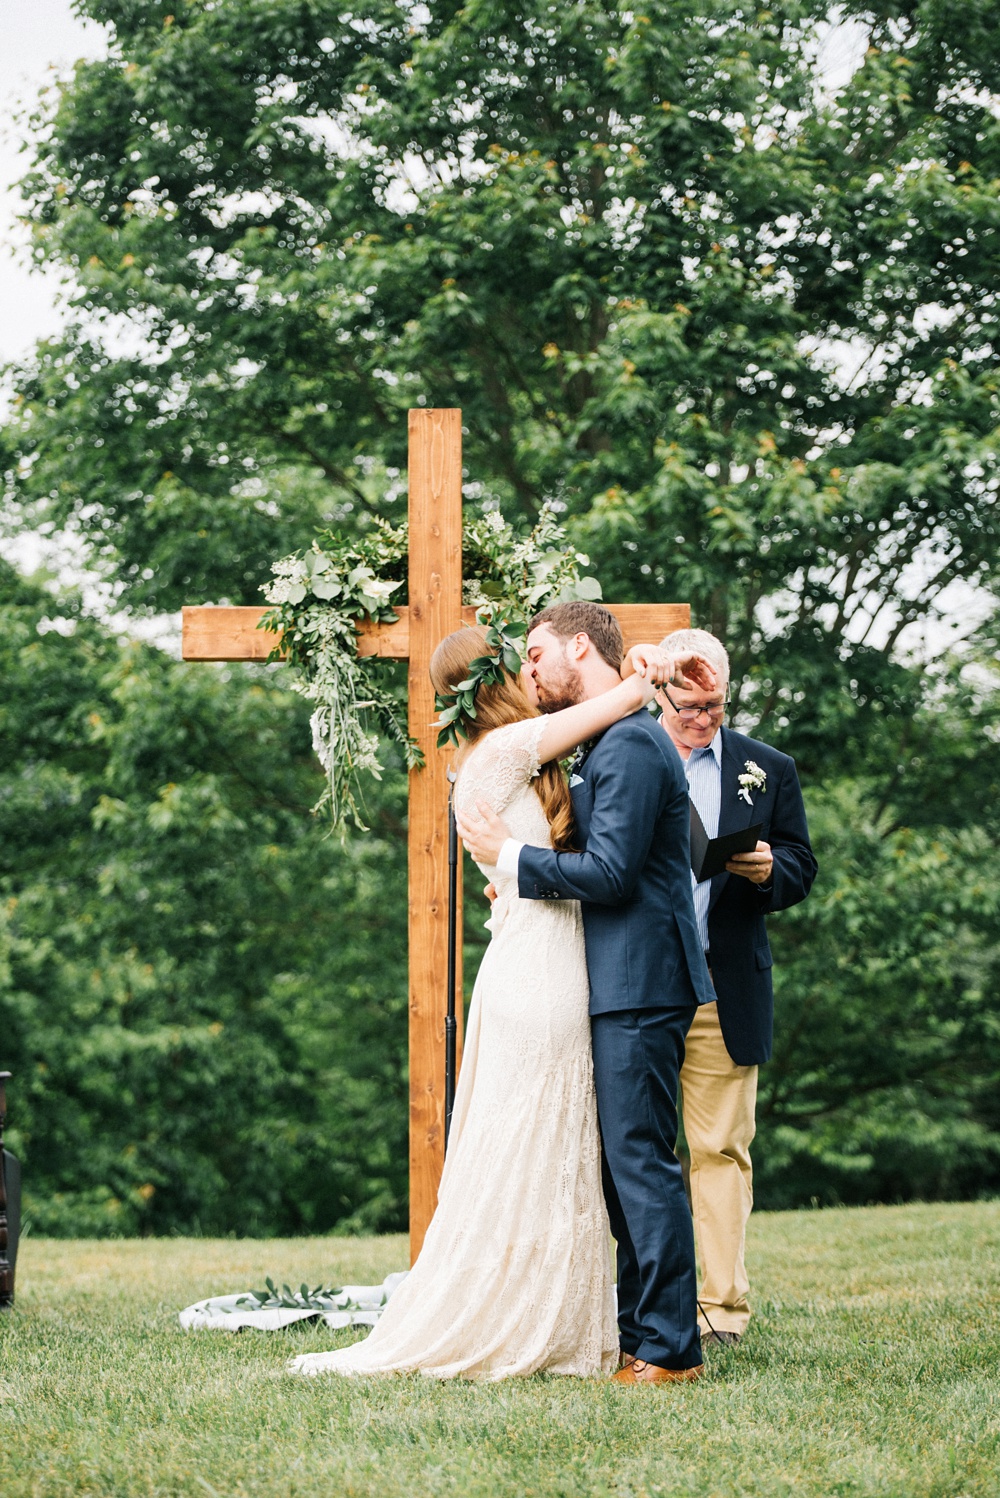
{"points": [[755, 866], [483, 835]]}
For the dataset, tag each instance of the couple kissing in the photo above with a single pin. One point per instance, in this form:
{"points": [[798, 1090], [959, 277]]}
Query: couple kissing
{"points": [[565, 1114]]}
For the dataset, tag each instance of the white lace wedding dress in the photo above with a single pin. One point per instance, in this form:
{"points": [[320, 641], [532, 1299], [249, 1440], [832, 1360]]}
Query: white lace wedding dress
{"points": [[515, 1272]]}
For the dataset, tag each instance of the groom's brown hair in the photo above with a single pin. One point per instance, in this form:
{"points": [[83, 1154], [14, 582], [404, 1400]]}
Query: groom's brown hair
{"points": [[582, 618]]}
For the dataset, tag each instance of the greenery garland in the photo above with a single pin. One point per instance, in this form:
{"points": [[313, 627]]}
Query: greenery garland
{"points": [[458, 708], [319, 596]]}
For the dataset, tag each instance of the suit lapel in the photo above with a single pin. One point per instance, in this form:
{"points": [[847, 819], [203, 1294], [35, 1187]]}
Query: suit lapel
{"points": [[734, 813]]}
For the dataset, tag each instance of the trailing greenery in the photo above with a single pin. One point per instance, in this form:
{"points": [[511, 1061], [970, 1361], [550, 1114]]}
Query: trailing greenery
{"points": [[319, 596], [870, 1369]]}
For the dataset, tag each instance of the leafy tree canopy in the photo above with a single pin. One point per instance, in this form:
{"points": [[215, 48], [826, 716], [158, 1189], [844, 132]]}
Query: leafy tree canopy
{"points": [[741, 326]]}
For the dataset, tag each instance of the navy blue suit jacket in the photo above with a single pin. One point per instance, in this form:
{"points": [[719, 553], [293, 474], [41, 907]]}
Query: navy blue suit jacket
{"points": [[739, 950], [633, 877]]}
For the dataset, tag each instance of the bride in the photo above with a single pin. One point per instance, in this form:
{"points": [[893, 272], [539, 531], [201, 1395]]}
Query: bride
{"points": [[515, 1274]]}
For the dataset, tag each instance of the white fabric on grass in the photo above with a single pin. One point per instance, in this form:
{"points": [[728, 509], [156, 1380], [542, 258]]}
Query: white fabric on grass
{"points": [[354, 1305]]}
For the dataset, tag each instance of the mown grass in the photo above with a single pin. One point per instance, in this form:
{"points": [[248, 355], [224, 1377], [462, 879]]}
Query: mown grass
{"points": [[870, 1369]]}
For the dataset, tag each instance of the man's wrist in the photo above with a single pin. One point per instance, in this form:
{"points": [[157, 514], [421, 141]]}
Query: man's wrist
{"points": [[508, 857]]}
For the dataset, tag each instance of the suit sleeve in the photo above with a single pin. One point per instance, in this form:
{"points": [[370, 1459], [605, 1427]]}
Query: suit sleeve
{"points": [[630, 789], [794, 863]]}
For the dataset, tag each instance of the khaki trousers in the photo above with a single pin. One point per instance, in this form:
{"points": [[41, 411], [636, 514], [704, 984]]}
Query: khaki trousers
{"points": [[718, 1101]]}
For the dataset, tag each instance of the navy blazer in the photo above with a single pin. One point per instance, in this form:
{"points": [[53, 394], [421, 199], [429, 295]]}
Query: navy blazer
{"points": [[633, 878], [739, 951]]}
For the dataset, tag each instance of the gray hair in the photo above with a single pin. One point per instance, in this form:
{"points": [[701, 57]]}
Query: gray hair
{"points": [[686, 641]]}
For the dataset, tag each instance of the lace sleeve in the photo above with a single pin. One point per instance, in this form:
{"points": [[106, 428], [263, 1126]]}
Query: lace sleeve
{"points": [[496, 770]]}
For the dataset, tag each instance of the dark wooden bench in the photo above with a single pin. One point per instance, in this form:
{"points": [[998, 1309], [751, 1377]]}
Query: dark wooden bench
{"points": [[10, 1207]]}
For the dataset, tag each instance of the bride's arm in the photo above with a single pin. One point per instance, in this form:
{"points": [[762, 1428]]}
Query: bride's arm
{"points": [[644, 668], [571, 726], [688, 672]]}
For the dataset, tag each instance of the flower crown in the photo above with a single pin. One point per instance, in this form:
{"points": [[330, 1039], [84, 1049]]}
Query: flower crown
{"points": [[458, 708]]}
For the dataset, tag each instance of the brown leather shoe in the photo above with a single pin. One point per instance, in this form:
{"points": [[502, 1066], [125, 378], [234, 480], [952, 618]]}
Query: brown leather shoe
{"points": [[638, 1372], [625, 1359]]}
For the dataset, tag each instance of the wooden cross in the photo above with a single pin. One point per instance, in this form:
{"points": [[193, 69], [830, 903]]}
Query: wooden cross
{"points": [[434, 610]]}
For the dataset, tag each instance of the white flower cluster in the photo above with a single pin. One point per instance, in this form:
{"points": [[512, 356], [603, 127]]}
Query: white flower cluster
{"points": [[289, 575], [754, 779]]}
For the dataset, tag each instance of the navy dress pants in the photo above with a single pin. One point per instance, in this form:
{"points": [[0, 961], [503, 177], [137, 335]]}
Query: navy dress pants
{"points": [[638, 1055]]}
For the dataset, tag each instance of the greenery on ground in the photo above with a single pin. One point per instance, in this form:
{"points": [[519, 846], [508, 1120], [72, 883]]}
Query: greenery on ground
{"points": [[871, 1370], [734, 317]]}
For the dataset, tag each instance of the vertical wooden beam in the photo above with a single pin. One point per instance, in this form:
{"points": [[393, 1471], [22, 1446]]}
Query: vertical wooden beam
{"points": [[435, 509]]}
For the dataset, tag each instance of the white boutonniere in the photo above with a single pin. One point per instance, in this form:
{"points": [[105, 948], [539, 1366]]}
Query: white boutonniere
{"points": [[755, 779]]}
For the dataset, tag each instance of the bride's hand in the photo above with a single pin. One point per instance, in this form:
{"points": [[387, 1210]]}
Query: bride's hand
{"points": [[650, 662], [689, 672], [693, 673]]}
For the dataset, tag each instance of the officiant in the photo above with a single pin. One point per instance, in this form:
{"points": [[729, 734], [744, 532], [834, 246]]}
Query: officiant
{"points": [[735, 782]]}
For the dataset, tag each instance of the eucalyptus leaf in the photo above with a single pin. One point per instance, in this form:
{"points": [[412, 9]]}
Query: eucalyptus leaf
{"points": [[588, 588]]}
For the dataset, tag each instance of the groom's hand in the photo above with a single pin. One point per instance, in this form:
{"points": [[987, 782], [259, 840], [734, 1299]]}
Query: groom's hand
{"points": [[483, 834]]}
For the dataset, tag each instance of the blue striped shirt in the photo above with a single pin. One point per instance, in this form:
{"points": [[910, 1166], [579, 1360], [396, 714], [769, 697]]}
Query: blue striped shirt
{"points": [[703, 768]]}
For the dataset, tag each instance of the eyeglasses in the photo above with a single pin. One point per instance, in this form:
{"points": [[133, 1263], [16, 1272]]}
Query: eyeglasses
{"points": [[712, 710]]}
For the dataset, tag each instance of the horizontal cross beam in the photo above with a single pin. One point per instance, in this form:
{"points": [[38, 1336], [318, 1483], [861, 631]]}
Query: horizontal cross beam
{"points": [[231, 634]]}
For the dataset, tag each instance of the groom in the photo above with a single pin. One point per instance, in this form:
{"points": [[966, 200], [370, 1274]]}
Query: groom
{"points": [[647, 974]]}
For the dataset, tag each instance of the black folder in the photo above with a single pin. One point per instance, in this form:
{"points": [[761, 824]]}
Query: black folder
{"points": [[709, 855]]}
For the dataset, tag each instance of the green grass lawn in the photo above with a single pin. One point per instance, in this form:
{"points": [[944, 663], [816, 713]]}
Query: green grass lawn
{"points": [[871, 1367]]}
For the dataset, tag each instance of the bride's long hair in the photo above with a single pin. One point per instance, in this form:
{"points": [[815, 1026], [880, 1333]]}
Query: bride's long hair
{"points": [[496, 705]]}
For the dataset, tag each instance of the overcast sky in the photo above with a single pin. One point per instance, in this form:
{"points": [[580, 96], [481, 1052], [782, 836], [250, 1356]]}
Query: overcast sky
{"points": [[39, 37]]}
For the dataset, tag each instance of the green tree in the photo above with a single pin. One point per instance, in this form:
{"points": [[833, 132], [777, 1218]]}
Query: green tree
{"points": [[634, 247], [201, 1038], [886, 1077], [740, 326]]}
